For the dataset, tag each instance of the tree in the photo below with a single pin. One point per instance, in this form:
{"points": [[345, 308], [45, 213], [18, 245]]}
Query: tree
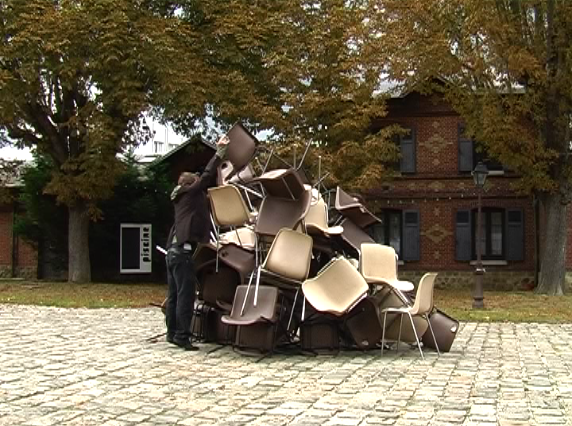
{"points": [[507, 64], [306, 71], [40, 220], [75, 78]]}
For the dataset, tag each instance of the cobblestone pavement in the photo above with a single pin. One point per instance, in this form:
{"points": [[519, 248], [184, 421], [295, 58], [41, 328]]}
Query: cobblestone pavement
{"points": [[94, 367]]}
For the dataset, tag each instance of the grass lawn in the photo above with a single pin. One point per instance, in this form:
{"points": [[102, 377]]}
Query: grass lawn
{"points": [[94, 295], [499, 306]]}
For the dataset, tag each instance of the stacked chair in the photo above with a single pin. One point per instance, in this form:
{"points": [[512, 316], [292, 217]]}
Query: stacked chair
{"points": [[286, 272]]}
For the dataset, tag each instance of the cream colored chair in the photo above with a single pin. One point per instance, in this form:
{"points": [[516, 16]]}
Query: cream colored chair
{"points": [[378, 265], [422, 307], [336, 289], [228, 210], [287, 263], [243, 237], [316, 219]]}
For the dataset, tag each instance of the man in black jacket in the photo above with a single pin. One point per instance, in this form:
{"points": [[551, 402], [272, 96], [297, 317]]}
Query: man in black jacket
{"points": [[192, 225]]}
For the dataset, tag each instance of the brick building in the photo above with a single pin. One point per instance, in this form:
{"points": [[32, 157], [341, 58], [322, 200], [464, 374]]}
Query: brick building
{"points": [[429, 212], [18, 259]]}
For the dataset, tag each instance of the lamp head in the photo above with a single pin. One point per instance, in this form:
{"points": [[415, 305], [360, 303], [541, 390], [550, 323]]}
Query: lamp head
{"points": [[480, 174]]}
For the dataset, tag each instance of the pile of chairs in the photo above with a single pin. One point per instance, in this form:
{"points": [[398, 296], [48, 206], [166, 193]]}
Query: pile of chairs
{"points": [[291, 266]]}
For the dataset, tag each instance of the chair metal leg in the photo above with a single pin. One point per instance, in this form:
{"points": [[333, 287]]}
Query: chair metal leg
{"points": [[416, 337], [399, 335], [256, 286], [383, 332], [292, 313], [217, 248], [433, 334], [238, 236], [247, 291]]}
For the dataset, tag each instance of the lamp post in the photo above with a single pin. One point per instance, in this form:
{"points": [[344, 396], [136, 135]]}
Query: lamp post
{"points": [[479, 176]]}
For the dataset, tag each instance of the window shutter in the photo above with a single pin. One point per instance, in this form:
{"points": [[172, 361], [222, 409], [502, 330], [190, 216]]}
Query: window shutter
{"points": [[465, 152], [411, 249], [515, 235], [463, 243], [407, 149]]}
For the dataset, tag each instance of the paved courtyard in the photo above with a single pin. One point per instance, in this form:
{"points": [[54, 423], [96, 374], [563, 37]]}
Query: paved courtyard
{"points": [[94, 367]]}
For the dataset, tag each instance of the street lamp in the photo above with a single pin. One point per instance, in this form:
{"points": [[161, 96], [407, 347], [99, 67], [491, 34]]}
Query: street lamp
{"points": [[479, 176]]}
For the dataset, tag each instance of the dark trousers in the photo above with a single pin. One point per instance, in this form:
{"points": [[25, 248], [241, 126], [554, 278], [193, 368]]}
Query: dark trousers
{"points": [[181, 279]]}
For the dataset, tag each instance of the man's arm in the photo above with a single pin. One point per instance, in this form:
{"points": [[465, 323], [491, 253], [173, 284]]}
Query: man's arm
{"points": [[210, 171]]}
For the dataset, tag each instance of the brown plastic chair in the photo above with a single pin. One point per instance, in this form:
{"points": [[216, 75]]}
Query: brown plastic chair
{"points": [[276, 213], [282, 183], [354, 210], [228, 209], [422, 307], [336, 289], [265, 310], [378, 265], [241, 148], [354, 236]]}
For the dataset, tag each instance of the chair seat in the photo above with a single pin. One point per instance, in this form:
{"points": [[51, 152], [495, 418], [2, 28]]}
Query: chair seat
{"points": [[330, 230], [403, 286], [246, 238], [264, 311]]}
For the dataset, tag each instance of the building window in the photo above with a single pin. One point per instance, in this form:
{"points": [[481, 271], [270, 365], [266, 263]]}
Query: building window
{"points": [[388, 231], [400, 230], [492, 233], [470, 154], [407, 149], [502, 235]]}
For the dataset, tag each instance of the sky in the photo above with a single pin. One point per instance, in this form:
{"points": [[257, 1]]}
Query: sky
{"points": [[162, 133]]}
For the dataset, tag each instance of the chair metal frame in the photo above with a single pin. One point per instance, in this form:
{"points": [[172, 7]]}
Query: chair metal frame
{"points": [[284, 236], [417, 309], [244, 215]]}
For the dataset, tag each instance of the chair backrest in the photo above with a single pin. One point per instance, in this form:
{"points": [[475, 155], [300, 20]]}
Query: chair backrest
{"points": [[265, 309], [354, 210], [424, 296], [283, 183], [228, 206], [336, 288], [241, 147], [277, 213], [378, 262], [317, 216], [290, 255]]}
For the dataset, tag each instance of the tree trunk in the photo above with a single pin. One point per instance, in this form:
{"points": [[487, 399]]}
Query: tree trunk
{"points": [[79, 268], [553, 258]]}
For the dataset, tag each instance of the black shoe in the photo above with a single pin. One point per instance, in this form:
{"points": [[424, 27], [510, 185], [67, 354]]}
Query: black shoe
{"points": [[170, 339], [186, 345]]}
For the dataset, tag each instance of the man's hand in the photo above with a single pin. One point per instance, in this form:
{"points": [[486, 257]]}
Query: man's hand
{"points": [[221, 147], [223, 141]]}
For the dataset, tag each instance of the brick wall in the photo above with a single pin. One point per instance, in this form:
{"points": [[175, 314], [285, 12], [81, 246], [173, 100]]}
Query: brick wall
{"points": [[438, 189], [5, 241], [17, 258]]}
